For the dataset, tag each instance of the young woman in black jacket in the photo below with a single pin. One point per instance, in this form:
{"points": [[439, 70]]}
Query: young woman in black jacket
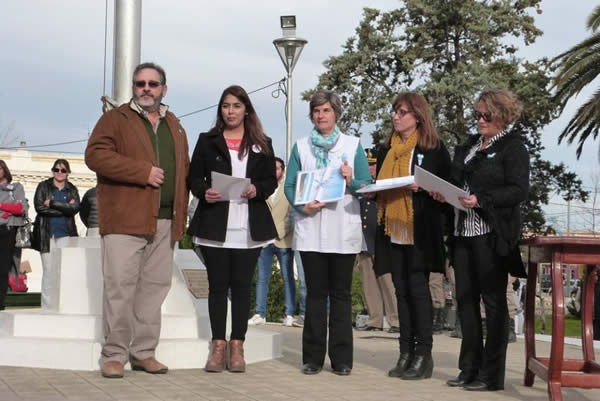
{"points": [[494, 168], [410, 236], [231, 233], [56, 203]]}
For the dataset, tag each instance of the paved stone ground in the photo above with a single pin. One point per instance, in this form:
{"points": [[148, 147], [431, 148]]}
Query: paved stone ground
{"points": [[281, 379]]}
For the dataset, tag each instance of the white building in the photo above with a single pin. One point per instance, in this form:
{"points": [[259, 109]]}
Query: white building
{"points": [[30, 168]]}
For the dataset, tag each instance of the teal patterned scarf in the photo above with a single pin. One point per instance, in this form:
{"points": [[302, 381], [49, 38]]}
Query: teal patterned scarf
{"points": [[321, 145]]}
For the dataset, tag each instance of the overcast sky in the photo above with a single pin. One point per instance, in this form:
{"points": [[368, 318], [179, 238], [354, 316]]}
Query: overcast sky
{"points": [[52, 61]]}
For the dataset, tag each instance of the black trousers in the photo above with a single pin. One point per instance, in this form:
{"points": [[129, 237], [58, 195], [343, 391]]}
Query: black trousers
{"points": [[328, 275], [7, 248], [480, 275], [415, 311], [226, 269]]}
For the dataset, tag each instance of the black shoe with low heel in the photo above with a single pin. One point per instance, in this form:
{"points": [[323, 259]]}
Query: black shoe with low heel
{"points": [[461, 380], [401, 366], [420, 368], [311, 369]]}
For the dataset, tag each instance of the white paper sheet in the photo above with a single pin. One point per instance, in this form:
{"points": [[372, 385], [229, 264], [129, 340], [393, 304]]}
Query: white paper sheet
{"points": [[388, 183], [432, 183], [324, 185], [230, 188]]}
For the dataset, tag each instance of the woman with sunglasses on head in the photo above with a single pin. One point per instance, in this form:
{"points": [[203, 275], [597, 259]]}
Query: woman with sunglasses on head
{"points": [[231, 233], [13, 210], [56, 202], [409, 241], [494, 168]]}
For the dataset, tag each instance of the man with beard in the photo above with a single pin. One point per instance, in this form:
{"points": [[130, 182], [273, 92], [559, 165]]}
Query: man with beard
{"points": [[139, 152]]}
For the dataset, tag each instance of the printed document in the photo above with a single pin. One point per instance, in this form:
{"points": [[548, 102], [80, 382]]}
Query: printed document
{"points": [[230, 188], [433, 183], [324, 185]]}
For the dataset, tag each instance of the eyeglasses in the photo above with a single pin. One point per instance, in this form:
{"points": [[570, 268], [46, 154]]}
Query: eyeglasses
{"points": [[142, 84], [400, 113], [59, 170], [486, 116]]}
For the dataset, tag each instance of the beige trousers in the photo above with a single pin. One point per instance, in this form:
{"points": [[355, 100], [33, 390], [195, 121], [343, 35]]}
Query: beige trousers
{"points": [[436, 287], [379, 293], [137, 278]]}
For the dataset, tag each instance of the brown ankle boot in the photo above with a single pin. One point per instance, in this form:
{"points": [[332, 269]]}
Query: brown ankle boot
{"points": [[216, 362], [236, 356]]}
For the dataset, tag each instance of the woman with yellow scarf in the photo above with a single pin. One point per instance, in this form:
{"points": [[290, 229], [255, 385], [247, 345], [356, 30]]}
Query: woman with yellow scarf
{"points": [[409, 241]]}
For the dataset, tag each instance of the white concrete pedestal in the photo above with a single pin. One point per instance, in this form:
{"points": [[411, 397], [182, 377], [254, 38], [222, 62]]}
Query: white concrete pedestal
{"points": [[67, 334]]}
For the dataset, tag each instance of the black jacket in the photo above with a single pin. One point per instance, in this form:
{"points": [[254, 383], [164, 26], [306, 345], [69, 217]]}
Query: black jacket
{"points": [[368, 216], [44, 191], [88, 212], [429, 215], [210, 220], [499, 177]]}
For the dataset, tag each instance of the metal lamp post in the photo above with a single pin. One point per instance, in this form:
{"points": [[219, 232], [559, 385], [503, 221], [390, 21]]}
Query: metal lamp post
{"points": [[289, 48]]}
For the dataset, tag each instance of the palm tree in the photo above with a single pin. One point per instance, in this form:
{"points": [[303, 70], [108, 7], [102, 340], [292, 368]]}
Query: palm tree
{"points": [[577, 67]]}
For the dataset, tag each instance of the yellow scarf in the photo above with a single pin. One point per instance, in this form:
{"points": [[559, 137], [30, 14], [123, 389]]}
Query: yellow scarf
{"points": [[394, 206]]}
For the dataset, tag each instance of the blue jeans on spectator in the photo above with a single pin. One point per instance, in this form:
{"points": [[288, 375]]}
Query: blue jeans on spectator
{"points": [[301, 283], [265, 262]]}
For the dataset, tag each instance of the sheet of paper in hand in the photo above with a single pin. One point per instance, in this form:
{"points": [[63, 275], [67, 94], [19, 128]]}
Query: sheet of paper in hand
{"points": [[388, 183], [230, 188], [324, 185], [433, 183]]}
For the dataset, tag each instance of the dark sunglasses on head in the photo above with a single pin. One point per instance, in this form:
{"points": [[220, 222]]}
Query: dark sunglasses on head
{"points": [[486, 116], [59, 170], [142, 84]]}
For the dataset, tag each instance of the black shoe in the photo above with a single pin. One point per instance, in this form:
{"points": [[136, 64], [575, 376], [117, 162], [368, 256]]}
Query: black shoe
{"points": [[342, 370], [394, 329], [477, 385], [368, 328], [460, 381], [401, 366], [311, 368], [420, 368]]}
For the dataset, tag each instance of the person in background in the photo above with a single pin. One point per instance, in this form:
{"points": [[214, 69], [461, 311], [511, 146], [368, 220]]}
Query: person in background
{"points": [[378, 289], [493, 167], [13, 211], [282, 248], [299, 321], [139, 152], [56, 202], [438, 299], [88, 212], [231, 233], [328, 235], [410, 234]]}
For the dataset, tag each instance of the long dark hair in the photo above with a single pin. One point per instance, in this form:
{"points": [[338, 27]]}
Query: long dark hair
{"points": [[416, 104], [7, 173], [253, 130]]}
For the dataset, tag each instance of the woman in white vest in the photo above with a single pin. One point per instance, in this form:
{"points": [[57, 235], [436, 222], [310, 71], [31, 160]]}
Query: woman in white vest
{"points": [[328, 235]]}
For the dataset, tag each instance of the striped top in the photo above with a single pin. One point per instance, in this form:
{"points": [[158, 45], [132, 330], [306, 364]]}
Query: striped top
{"points": [[472, 224]]}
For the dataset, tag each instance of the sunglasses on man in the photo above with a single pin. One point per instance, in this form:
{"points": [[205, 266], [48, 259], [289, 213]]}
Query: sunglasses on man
{"points": [[59, 170], [486, 116], [151, 84]]}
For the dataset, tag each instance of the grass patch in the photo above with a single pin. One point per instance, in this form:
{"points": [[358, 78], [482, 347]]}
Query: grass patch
{"points": [[572, 326]]}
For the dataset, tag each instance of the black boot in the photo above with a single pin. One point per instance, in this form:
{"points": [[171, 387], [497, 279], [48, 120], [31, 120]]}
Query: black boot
{"points": [[457, 332], [437, 321], [512, 336], [401, 366], [420, 368]]}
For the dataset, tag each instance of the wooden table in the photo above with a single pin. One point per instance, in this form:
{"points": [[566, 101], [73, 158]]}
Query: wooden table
{"points": [[557, 371]]}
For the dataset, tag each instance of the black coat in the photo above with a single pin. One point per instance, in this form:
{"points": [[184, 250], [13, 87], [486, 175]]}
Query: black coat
{"points": [[43, 192], [210, 219], [368, 216], [499, 177], [429, 215], [88, 211]]}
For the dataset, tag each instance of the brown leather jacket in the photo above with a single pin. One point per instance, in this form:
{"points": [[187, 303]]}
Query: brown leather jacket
{"points": [[121, 154]]}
